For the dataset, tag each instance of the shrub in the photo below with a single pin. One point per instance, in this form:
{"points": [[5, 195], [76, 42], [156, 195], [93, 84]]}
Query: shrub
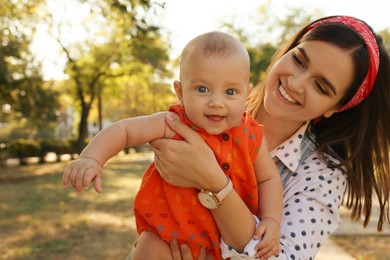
{"points": [[24, 148]]}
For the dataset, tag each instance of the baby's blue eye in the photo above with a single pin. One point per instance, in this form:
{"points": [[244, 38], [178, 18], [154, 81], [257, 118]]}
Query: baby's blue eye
{"points": [[230, 92], [202, 89]]}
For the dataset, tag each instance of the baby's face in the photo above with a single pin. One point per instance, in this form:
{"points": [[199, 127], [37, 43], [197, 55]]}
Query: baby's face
{"points": [[214, 91]]}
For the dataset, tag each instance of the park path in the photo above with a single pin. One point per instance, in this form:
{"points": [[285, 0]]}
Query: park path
{"points": [[331, 251]]}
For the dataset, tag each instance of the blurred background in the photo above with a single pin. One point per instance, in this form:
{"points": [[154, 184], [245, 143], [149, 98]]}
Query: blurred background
{"points": [[69, 68]]}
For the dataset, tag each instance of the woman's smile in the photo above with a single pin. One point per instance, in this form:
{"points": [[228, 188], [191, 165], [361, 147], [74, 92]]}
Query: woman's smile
{"points": [[286, 96]]}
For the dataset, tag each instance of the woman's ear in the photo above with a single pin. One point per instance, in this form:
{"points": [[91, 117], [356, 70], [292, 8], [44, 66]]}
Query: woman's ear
{"points": [[178, 90], [330, 112]]}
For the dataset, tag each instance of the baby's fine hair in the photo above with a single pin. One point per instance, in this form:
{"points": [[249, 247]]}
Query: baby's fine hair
{"points": [[213, 43], [210, 44]]}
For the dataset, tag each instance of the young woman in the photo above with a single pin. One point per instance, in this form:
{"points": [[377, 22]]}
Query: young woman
{"points": [[325, 106]]}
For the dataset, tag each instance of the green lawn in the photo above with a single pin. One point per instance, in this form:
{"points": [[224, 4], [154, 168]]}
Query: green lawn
{"points": [[39, 219]]}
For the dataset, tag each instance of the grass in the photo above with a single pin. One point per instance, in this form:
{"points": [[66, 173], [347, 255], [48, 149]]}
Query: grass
{"points": [[39, 219], [365, 247]]}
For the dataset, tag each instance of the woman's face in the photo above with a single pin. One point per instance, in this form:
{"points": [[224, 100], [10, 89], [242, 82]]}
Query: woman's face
{"points": [[308, 82]]}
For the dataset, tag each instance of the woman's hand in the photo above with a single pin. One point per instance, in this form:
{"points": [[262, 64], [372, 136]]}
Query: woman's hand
{"points": [[189, 162], [183, 252]]}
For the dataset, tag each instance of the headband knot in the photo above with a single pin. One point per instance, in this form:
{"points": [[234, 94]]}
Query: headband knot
{"points": [[373, 52]]}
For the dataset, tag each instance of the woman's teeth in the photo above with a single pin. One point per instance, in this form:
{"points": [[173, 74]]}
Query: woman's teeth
{"points": [[286, 96]]}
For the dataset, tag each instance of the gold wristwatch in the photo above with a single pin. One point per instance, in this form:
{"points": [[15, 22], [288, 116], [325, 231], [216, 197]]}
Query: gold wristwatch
{"points": [[212, 200]]}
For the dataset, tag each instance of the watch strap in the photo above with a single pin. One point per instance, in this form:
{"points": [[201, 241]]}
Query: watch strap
{"points": [[221, 195]]}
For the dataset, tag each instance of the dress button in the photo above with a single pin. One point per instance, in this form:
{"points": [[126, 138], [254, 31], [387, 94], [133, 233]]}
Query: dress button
{"points": [[225, 166], [225, 136]]}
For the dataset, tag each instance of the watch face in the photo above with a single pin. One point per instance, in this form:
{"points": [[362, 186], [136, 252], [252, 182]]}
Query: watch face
{"points": [[207, 200]]}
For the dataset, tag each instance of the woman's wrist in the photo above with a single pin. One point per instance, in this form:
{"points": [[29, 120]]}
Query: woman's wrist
{"points": [[216, 181]]}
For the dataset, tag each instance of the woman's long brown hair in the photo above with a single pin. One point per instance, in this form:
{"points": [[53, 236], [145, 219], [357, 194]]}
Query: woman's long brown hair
{"points": [[358, 137]]}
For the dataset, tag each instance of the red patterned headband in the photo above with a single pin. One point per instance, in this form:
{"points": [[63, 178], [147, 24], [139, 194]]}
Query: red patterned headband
{"points": [[373, 53]]}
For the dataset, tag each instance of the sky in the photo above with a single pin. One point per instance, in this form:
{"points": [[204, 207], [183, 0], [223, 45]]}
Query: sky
{"points": [[188, 18], [185, 19]]}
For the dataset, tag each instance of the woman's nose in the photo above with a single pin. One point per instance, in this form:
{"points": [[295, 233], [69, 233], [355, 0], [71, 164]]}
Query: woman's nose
{"points": [[297, 82]]}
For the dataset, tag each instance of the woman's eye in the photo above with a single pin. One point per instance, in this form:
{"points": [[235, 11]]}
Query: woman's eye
{"points": [[230, 92], [202, 89], [297, 60], [321, 89]]}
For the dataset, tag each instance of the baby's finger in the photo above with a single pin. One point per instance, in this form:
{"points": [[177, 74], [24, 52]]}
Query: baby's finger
{"points": [[97, 182], [265, 243], [273, 252], [73, 176], [66, 175], [89, 175], [80, 180], [263, 253], [259, 232]]}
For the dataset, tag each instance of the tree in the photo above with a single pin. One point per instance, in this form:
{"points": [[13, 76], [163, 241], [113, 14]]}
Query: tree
{"points": [[137, 94], [270, 33], [386, 38], [22, 87], [125, 42]]}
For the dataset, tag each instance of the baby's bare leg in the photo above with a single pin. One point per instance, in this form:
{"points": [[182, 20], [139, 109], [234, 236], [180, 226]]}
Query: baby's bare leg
{"points": [[150, 246]]}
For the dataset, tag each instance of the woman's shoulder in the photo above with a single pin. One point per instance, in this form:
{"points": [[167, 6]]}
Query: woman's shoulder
{"points": [[315, 168], [314, 176]]}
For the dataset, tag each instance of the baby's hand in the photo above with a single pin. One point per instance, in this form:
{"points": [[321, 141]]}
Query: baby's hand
{"points": [[81, 173], [269, 232]]}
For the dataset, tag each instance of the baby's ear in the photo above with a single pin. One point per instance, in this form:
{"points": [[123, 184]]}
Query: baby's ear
{"points": [[178, 90]]}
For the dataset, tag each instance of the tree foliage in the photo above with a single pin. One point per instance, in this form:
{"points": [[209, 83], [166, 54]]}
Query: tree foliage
{"points": [[270, 31], [23, 94], [126, 43], [117, 64], [386, 38]]}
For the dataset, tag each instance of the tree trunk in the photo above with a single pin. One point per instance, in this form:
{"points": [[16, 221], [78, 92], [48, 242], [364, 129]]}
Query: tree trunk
{"points": [[100, 107], [83, 128]]}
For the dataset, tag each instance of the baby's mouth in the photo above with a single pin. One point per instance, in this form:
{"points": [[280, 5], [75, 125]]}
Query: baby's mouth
{"points": [[215, 118]]}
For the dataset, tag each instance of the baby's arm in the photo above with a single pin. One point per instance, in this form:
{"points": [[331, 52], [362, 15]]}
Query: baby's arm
{"points": [[110, 141], [270, 202]]}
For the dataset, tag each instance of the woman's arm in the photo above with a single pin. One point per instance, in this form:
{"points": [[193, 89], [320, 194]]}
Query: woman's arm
{"points": [[191, 163]]}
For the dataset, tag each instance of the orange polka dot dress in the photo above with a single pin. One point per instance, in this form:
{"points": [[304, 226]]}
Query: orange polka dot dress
{"points": [[175, 213]]}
